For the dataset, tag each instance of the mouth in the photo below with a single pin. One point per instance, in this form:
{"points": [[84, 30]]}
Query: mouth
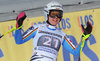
{"points": [[55, 20]]}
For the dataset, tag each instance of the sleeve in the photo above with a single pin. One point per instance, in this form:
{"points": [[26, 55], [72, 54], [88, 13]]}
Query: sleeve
{"points": [[27, 35], [69, 46]]}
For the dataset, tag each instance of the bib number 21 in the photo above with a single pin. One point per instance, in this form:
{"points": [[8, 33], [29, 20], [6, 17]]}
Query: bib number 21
{"points": [[49, 41]]}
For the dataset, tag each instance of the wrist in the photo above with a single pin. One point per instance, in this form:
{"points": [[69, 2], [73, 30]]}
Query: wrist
{"points": [[86, 36], [19, 27]]}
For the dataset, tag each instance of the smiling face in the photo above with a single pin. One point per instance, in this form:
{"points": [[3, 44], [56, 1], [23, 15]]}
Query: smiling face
{"points": [[54, 17], [53, 21]]}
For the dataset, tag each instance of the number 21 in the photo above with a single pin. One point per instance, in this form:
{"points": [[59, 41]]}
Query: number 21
{"points": [[49, 42]]}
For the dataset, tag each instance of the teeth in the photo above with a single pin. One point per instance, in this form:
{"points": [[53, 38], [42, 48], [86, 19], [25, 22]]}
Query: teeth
{"points": [[55, 20]]}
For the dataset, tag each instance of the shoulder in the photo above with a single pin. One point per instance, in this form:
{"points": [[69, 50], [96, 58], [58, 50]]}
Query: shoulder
{"points": [[61, 32], [39, 25]]}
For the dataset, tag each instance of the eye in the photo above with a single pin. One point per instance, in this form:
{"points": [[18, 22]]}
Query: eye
{"points": [[53, 13]]}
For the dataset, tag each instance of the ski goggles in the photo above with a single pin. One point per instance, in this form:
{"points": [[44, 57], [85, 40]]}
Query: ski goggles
{"points": [[54, 13]]}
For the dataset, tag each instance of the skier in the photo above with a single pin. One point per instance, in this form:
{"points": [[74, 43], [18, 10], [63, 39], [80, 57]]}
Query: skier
{"points": [[47, 39]]}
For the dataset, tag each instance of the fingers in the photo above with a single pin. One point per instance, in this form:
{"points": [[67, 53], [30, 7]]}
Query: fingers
{"points": [[89, 27], [21, 15], [20, 19]]}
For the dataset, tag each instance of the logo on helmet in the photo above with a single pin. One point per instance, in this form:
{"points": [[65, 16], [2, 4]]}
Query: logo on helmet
{"points": [[56, 6]]}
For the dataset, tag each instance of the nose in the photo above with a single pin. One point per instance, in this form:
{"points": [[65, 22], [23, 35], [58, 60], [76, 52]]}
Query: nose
{"points": [[55, 17]]}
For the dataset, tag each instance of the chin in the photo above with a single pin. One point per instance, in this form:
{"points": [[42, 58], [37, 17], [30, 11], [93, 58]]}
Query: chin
{"points": [[54, 24]]}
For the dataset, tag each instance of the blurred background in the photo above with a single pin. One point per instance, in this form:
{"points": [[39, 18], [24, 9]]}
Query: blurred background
{"points": [[33, 8]]}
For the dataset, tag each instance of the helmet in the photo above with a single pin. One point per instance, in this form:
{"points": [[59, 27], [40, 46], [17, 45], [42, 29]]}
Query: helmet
{"points": [[53, 5]]}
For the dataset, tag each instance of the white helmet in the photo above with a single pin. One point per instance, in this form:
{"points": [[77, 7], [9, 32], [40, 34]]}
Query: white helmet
{"points": [[53, 5]]}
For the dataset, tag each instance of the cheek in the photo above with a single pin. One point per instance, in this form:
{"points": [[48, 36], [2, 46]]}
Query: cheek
{"points": [[50, 19], [58, 20]]}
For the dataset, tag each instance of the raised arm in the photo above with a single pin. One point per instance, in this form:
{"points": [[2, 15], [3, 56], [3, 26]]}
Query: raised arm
{"points": [[27, 35], [75, 50]]}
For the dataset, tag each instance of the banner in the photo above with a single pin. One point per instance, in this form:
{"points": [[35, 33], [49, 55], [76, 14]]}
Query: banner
{"points": [[70, 24]]}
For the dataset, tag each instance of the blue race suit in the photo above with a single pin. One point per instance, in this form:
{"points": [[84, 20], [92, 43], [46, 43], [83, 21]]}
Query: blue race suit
{"points": [[47, 41]]}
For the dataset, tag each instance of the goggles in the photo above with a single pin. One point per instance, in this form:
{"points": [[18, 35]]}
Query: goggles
{"points": [[54, 13]]}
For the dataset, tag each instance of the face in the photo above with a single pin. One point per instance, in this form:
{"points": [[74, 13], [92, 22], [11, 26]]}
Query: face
{"points": [[54, 17], [54, 21]]}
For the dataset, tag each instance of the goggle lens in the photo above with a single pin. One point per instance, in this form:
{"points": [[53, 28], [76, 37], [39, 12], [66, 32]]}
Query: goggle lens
{"points": [[56, 13]]}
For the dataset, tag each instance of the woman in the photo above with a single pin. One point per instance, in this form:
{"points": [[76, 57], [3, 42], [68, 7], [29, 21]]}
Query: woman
{"points": [[46, 37]]}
